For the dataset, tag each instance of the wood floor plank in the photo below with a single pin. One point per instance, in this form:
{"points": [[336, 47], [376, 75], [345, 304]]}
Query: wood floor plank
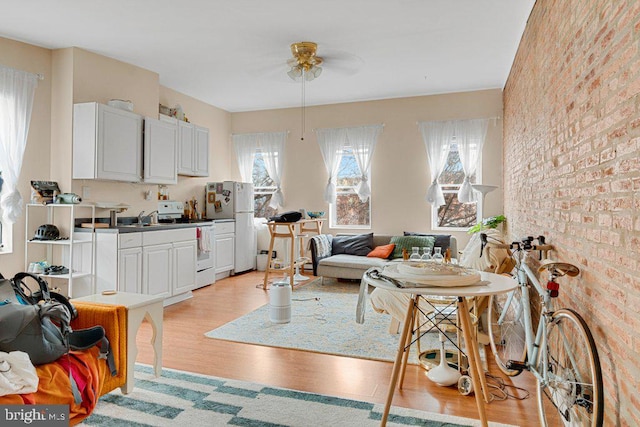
{"points": [[186, 348]]}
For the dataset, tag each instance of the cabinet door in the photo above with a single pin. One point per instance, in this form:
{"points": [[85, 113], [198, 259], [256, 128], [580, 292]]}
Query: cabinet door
{"points": [[157, 270], [119, 151], [130, 270], [160, 152], [201, 161], [184, 265], [186, 148], [225, 252]]}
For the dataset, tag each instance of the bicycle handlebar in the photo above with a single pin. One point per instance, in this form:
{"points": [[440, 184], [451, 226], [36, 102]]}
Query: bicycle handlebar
{"points": [[525, 244]]}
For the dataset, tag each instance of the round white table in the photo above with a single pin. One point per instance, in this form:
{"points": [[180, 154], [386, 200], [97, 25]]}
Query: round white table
{"points": [[491, 284]]}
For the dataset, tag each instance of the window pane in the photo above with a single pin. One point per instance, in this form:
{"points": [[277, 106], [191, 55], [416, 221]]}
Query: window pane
{"points": [[350, 210], [452, 172], [349, 171], [456, 214], [263, 187], [260, 176], [261, 207]]}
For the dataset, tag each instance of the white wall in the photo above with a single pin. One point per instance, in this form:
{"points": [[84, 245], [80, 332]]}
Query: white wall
{"points": [[37, 153], [400, 174]]}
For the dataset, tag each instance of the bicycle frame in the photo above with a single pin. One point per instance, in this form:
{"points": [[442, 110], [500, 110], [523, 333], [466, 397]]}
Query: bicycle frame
{"points": [[535, 345], [561, 354]]}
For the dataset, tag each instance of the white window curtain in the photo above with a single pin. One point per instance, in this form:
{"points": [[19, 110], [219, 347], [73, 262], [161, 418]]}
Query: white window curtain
{"points": [[470, 136], [362, 141], [331, 142], [271, 145], [437, 138], [245, 146], [17, 89]]}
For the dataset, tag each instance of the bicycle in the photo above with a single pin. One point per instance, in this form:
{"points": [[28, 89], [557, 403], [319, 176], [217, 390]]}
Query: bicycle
{"points": [[561, 355]]}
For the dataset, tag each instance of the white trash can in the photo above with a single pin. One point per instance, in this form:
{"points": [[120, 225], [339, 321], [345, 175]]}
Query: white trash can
{"points": [[262, 262], [280, 302]]}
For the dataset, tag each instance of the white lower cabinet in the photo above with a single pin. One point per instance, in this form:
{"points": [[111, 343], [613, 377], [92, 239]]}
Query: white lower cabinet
{"points": [[184, 266], [130, 270], [225, 248], [156, 270], [159, 263]]}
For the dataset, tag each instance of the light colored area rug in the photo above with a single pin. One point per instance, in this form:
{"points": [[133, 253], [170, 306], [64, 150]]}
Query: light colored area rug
{"points": [[180, 398], [323, 320]]}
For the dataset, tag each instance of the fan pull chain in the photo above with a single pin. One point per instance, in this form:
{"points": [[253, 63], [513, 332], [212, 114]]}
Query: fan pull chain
{"points": [[302, 113]]}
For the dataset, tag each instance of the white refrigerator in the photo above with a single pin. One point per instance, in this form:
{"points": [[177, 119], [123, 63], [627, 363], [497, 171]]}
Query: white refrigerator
{"points": [[234, 200]]}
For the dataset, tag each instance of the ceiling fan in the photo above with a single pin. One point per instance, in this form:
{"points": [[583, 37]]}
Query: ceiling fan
{"points": [[305, 63], [332, 63]]}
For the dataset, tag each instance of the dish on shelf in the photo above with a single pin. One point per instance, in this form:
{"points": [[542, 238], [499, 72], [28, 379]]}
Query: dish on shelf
{"points": [[314, 215]]}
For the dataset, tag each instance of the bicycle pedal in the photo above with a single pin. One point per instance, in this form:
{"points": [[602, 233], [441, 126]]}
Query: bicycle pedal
{"points": [[516, 365]]}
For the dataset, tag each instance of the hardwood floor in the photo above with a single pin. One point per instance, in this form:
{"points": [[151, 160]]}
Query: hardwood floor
{"points": [[186, 348]]}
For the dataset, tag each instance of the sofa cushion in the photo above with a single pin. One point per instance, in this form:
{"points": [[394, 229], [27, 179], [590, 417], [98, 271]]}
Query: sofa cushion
{"points": [[407, 242], [383, 251], [352, 261], [360, 244], [442, 240]]}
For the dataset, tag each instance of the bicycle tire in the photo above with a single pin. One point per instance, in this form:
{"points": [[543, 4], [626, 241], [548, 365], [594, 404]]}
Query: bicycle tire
{"points": [[571, 392], [507, 337]]}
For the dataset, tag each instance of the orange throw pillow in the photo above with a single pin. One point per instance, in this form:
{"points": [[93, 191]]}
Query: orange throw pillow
{"points": [[383, 251]]}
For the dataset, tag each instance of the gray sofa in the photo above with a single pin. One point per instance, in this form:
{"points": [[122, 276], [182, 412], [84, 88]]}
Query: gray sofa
{"points": [[345, 266]]}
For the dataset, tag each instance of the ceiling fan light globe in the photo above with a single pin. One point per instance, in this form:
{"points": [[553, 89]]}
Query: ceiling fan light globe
{"points": [[308, 76], [294, 73], [316, 71]]}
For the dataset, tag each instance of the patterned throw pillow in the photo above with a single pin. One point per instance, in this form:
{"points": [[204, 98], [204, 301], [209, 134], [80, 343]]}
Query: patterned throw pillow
{"points": [[408, 242], [383, 251]]}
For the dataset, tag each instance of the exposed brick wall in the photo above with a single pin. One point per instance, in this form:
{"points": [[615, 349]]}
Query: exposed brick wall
{"points": [[572, 170]]}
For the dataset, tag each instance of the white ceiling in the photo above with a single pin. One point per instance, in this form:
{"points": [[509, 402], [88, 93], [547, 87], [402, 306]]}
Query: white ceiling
{"points": [[233, 53]]}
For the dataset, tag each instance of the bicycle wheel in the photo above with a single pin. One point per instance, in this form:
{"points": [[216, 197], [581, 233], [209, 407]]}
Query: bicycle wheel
{"points": [[570, 391], [506, 330]]}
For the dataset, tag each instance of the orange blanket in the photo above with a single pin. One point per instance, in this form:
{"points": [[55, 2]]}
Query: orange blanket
{"points": [[90, 373], [54, 387]]}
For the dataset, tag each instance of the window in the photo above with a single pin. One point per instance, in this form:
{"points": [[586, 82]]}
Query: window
{"points": [[454, 214], [347, 211], [263, 187]]}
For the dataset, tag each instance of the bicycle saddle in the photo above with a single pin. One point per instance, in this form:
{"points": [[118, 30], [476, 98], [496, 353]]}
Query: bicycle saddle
{"points": [[559, 268]]}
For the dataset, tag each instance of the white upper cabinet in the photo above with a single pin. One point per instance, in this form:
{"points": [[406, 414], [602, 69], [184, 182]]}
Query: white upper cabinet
{"points": [[201, 161], [160, 151], [107, 143], [186, 148], [193, 149]]}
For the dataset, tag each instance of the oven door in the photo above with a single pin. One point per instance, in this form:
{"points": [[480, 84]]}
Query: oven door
{"points": [[205, 247]]}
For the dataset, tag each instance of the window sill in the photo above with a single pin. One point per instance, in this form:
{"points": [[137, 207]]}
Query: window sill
{"points": [[351, 227], [463, 229]]}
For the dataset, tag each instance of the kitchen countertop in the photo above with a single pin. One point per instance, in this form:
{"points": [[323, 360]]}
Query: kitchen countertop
{"points": [[135, 228]]}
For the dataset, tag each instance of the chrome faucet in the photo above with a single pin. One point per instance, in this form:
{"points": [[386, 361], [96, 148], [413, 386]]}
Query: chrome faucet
{"points": [[141, 216]]}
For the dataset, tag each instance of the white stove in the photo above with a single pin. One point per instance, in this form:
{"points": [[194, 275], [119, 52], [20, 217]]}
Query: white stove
{"points": [[170, 210]]}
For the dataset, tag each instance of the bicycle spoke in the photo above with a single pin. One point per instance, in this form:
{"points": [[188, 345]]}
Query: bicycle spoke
{"points": [[570, 393], [506, 330]]}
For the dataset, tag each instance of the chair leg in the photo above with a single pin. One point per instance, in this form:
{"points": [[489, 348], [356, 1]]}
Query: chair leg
{"points": [[394, 326]]}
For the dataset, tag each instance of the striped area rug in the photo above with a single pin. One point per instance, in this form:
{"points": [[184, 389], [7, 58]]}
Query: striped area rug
{"points": [[184, 399]]}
